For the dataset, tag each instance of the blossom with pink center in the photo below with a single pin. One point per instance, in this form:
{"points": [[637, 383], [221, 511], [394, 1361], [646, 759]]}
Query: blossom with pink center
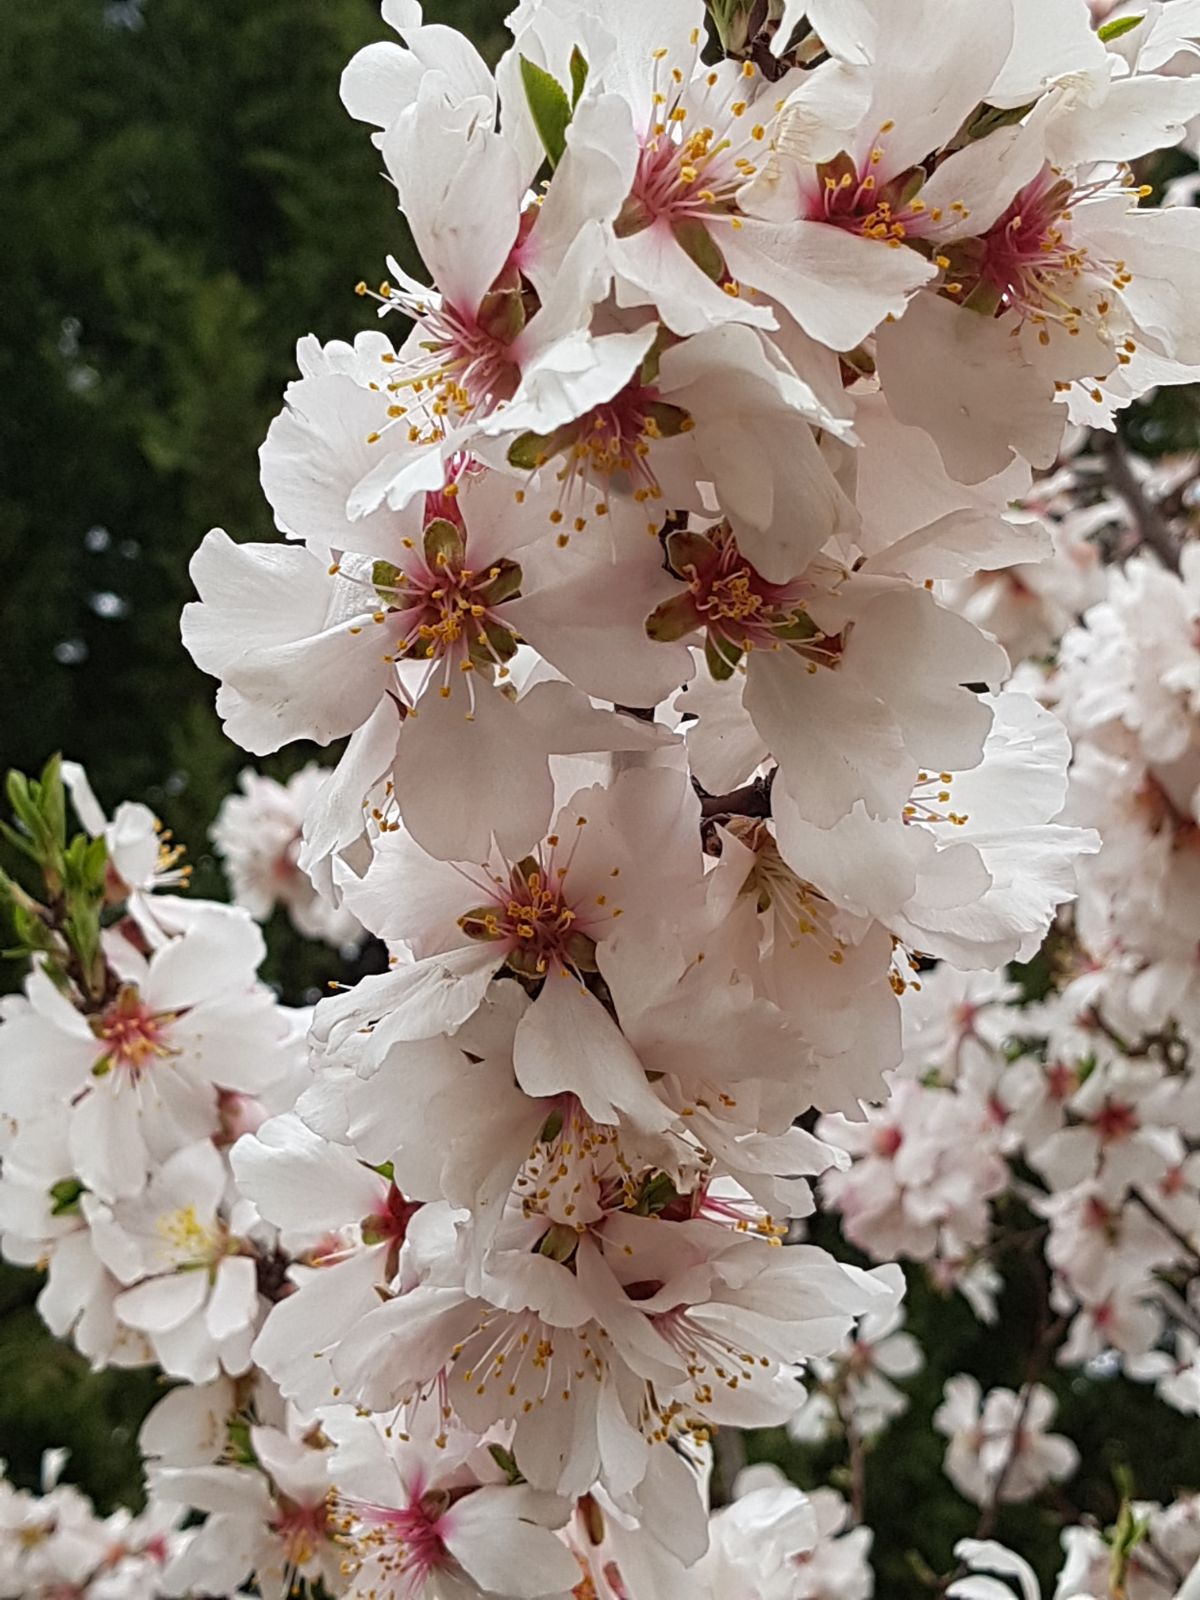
{"points": [[144, 1071], [733, 605], [1005, 1434], [548, 918], [405, 639], [925, 1167], [416, 1519]]}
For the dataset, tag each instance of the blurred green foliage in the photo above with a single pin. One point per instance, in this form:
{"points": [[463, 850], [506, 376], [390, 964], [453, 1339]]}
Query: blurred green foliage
{"points": [[181, 197]]}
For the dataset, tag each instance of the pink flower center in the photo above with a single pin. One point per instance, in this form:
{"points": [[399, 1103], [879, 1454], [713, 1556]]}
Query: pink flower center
{"points": [[699, 145], [402, 1545], [467, 367], [1061, 1080], [887, 1141], [132, 1034], [736, 608], [541, 924], [608, 447], [438, 608], [1115, 1120], [1033, 266], [301, 1528], [858, 194]]}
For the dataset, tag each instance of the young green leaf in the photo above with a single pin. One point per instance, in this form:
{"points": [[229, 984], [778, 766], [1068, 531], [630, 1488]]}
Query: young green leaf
{"points": [[1120, 25], [549, 108]]}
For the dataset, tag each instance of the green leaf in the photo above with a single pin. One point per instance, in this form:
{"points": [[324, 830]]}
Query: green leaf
{"points": [[52, 801], [1119, 26], [549, 108], [19, 841], [579, 72]]}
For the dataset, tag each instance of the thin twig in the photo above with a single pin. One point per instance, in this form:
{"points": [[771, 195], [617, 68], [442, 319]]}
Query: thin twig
{"points": [[1153, 529], [1165, 1223], [858, 1474]]}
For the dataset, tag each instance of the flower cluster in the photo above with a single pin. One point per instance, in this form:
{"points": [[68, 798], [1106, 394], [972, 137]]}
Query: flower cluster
{"points": [[142, 1048], [658, 575], [53, 1544]]}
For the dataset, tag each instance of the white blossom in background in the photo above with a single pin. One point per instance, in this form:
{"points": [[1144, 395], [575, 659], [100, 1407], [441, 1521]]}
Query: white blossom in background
{"points": [[999, 1448], [257, 834]]}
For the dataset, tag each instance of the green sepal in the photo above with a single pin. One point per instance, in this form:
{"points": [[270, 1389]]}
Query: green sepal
{"points": [[694, 239], [579, 70], [558, 1242], [673, 619], [689, 551], [499, 644], [656, 1195], [532, 450], [239, 1447], [386, 581], [507, 1463], [445, 544], [501, 314], [479, 924], [505, 585], [580, 951], [799, 627], [719, 665], [668, 419]]}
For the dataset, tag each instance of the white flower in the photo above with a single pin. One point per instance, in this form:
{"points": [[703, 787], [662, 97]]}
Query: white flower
{"points": [[257, 835], [1001, 1450], [418, 1521], [141, 1071], [926, 1167], [190, 1291]]}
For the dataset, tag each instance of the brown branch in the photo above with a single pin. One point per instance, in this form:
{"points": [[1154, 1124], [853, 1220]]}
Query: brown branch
{"points": [[858, 1473], [1153, 529], [751, 800]]}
